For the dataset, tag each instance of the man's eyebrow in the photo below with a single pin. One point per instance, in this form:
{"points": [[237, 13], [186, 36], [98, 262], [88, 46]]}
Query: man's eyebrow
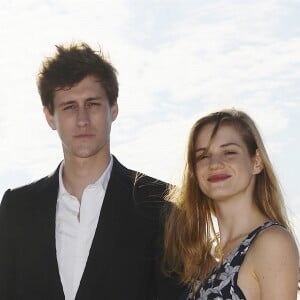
{"points": [[95, 98], [222, 146], [68, 102]]}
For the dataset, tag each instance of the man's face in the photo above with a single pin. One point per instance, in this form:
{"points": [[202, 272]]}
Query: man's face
{"points": [[82, 117]]}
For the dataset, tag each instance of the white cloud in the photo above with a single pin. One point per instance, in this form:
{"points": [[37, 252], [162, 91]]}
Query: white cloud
{"points": [[177, 60]]}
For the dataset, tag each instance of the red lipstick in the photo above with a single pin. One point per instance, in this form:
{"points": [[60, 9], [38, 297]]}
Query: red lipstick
{"points": [[218, 177]]}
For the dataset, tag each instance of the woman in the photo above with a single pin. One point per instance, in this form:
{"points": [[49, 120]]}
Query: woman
{"points": [[228, 175]]}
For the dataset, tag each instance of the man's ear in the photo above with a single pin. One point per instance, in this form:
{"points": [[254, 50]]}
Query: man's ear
{"points": [[49, 117], [258, 163], [114, 110]]}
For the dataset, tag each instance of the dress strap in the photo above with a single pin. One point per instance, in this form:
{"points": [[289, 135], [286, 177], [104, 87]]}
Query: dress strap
{"points": [[238, 256], [244, 246]]}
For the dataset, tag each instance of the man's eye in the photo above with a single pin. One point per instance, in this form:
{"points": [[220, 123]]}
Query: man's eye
{"points": [[91, 104], [69, 107]]}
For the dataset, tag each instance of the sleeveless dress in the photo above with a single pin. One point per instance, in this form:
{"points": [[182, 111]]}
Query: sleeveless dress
{"points": [[222, 283]]}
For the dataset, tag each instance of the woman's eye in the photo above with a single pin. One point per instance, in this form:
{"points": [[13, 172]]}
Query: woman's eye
{"points": [[202, 157], [230, 152]]}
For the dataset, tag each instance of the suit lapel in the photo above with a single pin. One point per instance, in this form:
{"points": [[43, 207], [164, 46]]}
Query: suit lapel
{"points": [[108, 231]]}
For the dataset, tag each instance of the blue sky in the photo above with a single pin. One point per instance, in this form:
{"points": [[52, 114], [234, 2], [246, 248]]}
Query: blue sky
{"points": [[177, 60]]}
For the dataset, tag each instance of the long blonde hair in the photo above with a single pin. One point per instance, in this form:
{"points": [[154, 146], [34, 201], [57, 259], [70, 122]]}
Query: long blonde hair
{"points": [[189, 231]]}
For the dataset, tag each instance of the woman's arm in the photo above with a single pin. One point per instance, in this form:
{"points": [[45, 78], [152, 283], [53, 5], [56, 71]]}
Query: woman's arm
{"points": [[275, 261]]}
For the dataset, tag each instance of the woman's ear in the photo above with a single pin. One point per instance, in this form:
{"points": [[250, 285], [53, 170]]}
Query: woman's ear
{"points": [[258, 163]]}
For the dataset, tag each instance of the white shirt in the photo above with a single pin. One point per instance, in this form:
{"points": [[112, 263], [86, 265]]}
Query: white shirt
{"points": [[74, 237]]}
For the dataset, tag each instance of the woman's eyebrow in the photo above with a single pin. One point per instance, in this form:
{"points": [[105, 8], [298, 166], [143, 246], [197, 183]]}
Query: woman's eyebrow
{"points": [[230, 144], [200, 149], [222, 146]]}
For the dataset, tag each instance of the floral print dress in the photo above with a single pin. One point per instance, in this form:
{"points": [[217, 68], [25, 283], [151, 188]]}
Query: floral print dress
{"points": [[222, 283]]}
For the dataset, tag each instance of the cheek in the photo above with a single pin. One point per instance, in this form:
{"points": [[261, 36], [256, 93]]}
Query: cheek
{"points": [[59, 125], [202, 184], [246, 167], [64, 126], [200, 176], [100, 119]]}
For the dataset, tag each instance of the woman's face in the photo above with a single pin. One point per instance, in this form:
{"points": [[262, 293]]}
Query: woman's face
{"points": [[226, 170]]}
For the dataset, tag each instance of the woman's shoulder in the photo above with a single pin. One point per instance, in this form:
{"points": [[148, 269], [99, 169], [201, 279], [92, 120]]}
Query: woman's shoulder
{"points": [[274, 261], [274, 237], [271, 266], [274, 248]]}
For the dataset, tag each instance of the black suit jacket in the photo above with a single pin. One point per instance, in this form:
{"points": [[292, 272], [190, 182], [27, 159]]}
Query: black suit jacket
{"points": [[123, 262]]}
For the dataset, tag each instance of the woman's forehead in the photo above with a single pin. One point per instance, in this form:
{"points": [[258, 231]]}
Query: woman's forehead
{"points": [[225, 133]]}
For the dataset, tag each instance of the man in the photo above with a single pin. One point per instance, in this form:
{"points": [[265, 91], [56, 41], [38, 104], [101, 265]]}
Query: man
{"points": [[91, 229]]}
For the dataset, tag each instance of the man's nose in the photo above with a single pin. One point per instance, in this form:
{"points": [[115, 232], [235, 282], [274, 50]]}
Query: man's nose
{"points": [[82, 116]]}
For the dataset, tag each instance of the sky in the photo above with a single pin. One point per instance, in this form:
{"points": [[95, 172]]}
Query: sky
{"points": [[176, 60]]}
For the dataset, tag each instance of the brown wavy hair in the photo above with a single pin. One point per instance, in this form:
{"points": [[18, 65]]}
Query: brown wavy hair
{"points": [[69, 65], [189, 231]]}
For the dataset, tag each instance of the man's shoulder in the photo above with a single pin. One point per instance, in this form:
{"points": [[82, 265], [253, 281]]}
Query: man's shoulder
{"points": [[35, 186], [138, 179], [147, 193]]}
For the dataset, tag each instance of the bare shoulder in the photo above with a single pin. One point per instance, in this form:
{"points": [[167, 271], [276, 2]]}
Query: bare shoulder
{"points": [[275, 262], [274, 241]]}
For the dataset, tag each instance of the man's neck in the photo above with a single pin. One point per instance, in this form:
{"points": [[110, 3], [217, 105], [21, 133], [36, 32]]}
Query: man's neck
{"points": [[79, 173]]}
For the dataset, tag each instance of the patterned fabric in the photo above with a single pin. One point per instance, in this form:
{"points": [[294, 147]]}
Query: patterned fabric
{"points": [[222, 283]]}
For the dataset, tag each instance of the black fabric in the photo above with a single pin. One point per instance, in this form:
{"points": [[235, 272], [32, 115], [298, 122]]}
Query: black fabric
{"points": [[123, 262], [222, 283]]}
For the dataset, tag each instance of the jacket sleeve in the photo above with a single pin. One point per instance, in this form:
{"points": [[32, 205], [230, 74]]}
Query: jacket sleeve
{"points": [[7, 249]]}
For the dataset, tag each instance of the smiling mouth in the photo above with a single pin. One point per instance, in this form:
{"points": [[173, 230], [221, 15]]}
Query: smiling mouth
{"points": [[218, 177]]}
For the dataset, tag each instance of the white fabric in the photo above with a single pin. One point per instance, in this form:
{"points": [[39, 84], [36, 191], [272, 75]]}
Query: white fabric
{"points": [[74, 237]]}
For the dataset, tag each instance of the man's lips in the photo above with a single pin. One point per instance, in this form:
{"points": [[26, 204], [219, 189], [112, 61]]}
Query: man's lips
{"points": [[83, 135], [218, 177]]}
